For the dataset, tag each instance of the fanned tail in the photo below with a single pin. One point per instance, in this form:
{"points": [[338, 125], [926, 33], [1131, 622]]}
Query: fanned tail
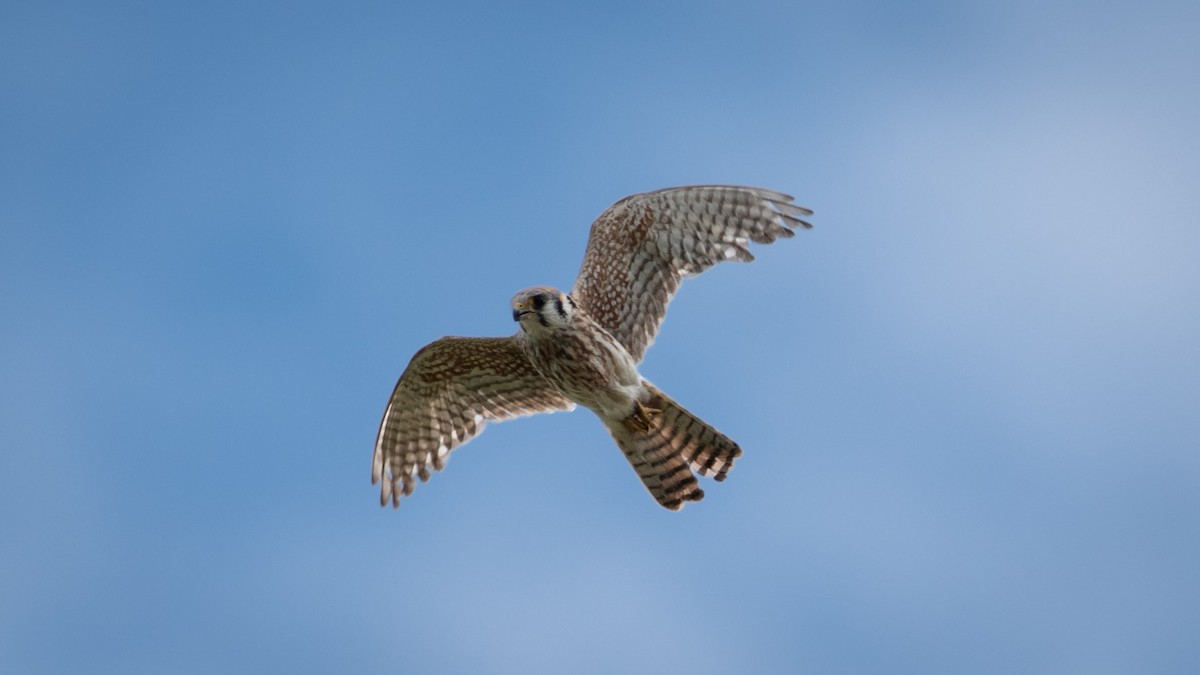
{"points": [[665, 443]]}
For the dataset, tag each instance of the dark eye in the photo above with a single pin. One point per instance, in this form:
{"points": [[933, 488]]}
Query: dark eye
{"points": [[538, 301]]}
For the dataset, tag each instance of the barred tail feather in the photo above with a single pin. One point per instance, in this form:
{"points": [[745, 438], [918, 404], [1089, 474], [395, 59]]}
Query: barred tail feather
{"points": [[666, 448], [708, 451]]}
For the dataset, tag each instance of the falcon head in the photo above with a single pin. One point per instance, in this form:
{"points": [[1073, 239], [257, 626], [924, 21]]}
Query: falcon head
{"points": [[542, 308]]}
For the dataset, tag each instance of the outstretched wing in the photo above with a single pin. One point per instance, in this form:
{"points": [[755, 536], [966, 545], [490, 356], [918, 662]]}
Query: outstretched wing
{"points": [[642, 247], [450, 390]]}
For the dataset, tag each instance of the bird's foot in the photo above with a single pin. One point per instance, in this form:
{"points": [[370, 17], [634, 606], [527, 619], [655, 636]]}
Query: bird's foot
{"points": [[643, 417]]}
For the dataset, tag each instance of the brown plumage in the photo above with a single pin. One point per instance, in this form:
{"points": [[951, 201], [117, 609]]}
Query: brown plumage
{"points": [[584, 347], [668, 444]]}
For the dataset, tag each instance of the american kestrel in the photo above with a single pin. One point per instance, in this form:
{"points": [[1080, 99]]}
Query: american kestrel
{"points": [[583, 347]]}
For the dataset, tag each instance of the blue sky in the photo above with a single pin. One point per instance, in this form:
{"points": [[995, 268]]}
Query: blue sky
{"points": [[968, 399]]}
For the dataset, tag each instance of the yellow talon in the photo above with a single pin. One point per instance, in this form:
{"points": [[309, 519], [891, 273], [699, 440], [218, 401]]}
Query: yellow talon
{"points": [[642, 418]]}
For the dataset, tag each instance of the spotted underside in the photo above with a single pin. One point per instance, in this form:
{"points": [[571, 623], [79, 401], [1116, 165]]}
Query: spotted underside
{"points": [[638, 252]]}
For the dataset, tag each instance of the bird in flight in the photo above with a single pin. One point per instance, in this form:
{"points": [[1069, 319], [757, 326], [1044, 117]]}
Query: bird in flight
{"points": [[583, 347]]}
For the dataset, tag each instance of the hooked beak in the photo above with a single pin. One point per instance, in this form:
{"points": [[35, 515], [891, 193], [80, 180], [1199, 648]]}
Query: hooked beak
{"points": [[518, 313]]}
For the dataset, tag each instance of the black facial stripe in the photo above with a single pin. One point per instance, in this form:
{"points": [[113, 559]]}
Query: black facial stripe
{"points": [[538, 301], [559, 308]]}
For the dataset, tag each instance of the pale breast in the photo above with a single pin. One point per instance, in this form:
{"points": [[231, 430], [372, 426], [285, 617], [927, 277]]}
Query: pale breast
{"points": [[590, 367]]}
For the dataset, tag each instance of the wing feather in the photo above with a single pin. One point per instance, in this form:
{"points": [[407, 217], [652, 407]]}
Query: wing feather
{"points": [[642, 247], [450, 390]]}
